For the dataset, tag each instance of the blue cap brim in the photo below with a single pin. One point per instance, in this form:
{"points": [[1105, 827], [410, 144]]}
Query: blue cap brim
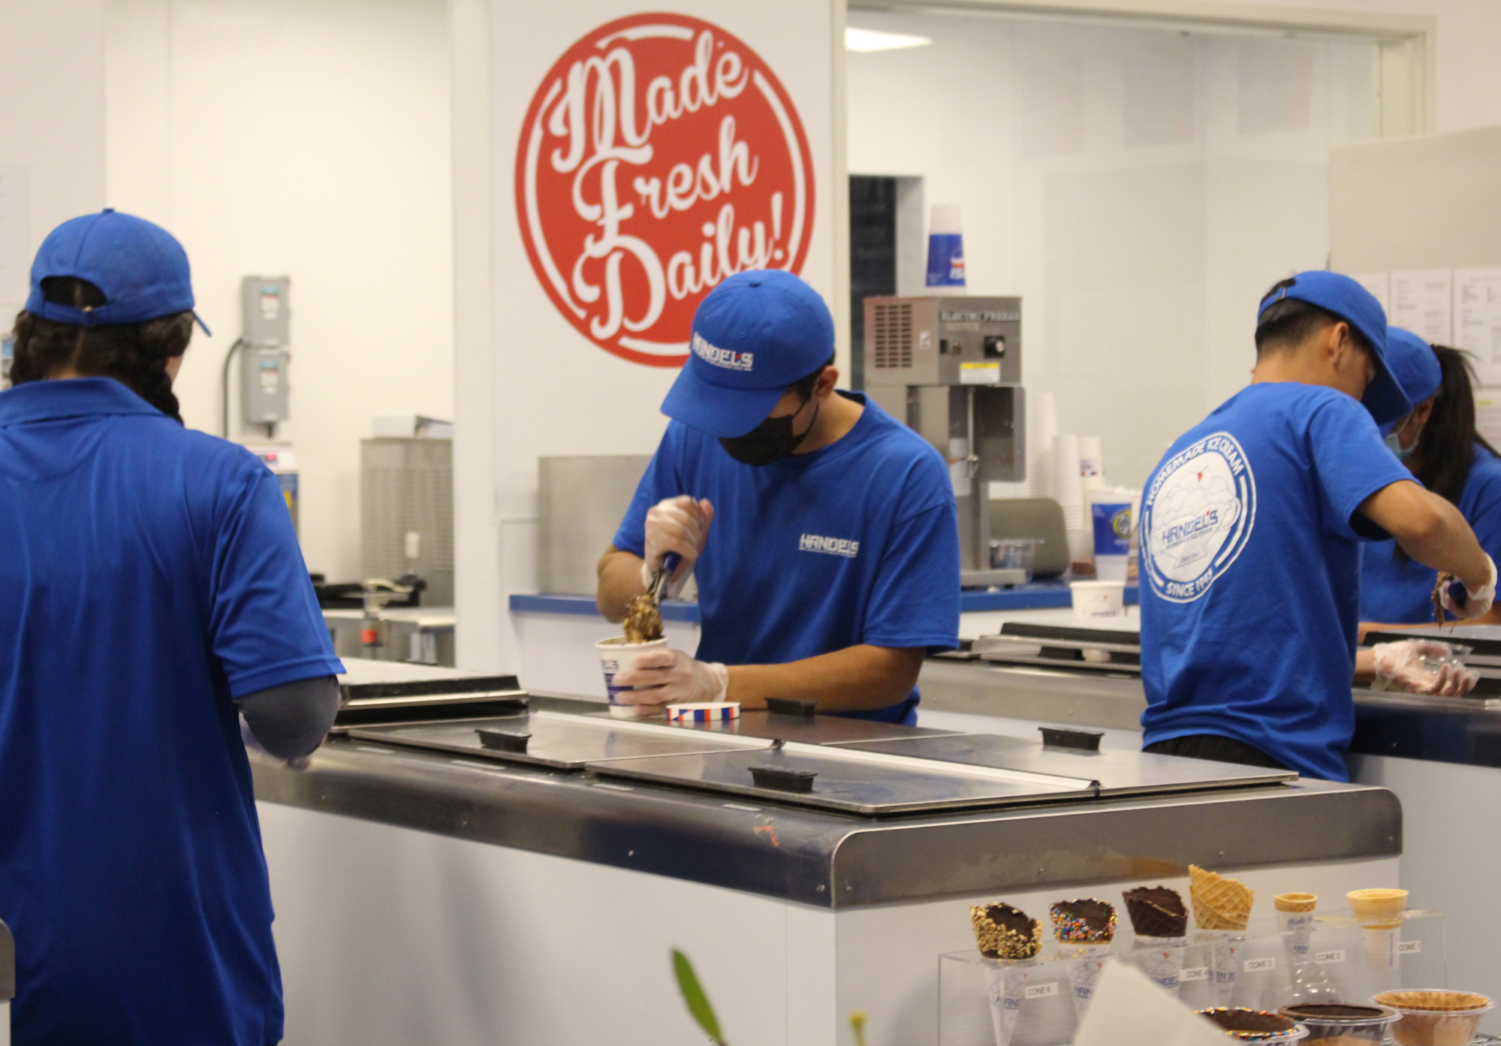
{"points": [[720, 412], [1384, 397]]}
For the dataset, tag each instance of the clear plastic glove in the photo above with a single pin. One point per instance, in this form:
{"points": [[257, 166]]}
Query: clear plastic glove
{"points": [[1399, 666], [671, 677], [1475, 603], [678, 525]]}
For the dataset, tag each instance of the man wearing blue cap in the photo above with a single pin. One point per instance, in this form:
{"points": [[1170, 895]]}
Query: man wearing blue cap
{"points": [[1250, 536], [1439, 445], [151, 589], [833, 562]]}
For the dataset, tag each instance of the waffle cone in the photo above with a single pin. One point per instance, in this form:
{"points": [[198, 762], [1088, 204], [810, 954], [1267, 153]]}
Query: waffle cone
{"points": [[1378, 908], [1296, 902], [1219, 903], [1437, 1001]]}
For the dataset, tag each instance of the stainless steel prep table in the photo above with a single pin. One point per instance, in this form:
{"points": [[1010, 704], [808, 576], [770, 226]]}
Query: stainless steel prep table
{"points": [[451, 896]]}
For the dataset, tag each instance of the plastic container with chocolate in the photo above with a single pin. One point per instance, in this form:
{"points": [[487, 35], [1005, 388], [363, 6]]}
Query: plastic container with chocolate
{"points": [[1258, 1026], [1433, 1017], [1341, 1024]]}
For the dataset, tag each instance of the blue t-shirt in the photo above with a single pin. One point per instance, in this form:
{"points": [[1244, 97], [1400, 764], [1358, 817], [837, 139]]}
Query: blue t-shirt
{"points": [[148, 574], [1402, 592], [857, 542], [1250, 573]]}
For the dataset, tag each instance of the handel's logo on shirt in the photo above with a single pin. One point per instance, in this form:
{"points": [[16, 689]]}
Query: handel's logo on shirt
{"points": [[829, 546], [1196, 517], [729, 359]]}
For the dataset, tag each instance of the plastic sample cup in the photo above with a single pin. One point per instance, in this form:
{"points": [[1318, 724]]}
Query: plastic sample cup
{"points": [[615, 656], [1098, 598], [1341, 1024], [1435, 1017]]}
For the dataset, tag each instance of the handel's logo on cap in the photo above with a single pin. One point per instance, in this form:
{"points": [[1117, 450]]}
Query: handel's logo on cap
{"points": [[729, 359], [660, 155]]}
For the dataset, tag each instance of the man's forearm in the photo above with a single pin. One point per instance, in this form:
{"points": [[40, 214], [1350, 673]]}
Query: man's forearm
{"points": [[619, 583], [1450, 547], [855, 679]]}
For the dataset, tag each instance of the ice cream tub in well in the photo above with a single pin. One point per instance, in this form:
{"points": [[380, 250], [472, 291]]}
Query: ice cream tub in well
{"points": [[615, 656]]}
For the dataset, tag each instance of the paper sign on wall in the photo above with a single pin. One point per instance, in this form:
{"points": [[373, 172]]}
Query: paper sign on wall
{"points": [[1477, 320], [15, 253], [1422, 302], [1488, 415]]}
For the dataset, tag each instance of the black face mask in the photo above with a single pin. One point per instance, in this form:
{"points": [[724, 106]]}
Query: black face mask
{"points": [[770, 441]]}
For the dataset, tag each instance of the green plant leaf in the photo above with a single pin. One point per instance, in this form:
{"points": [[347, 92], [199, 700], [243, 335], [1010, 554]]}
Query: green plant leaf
{"points": [[857, 1025], [693, 995]]}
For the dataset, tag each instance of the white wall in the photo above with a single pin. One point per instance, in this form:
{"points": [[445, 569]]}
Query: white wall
{"points": [[1467, 41], [551, 391], [52, 113], [309, 138]]}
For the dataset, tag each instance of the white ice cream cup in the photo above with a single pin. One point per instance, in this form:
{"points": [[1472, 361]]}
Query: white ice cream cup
{"points": [[615, 656], [1098, 598]]}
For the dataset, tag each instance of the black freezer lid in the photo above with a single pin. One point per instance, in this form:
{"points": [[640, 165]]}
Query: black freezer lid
{"points": [[1117, 773], [557, 740], [807, 729], [869, 783]]}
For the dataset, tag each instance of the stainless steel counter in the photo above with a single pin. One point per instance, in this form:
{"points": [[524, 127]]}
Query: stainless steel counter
{"points": [[826, 858]]}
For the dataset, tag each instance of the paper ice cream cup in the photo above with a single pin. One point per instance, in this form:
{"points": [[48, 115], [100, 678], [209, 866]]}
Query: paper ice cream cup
{"points": [[616, 656], [1098, 598]]}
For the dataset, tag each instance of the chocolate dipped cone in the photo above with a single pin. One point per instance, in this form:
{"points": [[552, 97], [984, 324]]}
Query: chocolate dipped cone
{"points": [[1156, 911]]}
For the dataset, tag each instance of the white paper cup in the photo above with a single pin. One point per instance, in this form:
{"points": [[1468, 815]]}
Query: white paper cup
{"points": [[616, 655], [1098, 598]]}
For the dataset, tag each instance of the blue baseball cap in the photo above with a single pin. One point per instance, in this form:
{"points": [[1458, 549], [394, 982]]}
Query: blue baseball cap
{"points": [[1358, 307], [753, 335], [141, 269], [1413, 363]]}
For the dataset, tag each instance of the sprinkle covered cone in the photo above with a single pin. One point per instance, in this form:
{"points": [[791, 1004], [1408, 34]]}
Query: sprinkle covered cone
{"points": [[1219, 903], [1296, 902]]}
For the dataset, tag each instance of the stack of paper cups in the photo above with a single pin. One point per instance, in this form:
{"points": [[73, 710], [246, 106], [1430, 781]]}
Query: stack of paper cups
{"points": [[1110, 523], [1042, 426], [945, 251], [1091, 464]]}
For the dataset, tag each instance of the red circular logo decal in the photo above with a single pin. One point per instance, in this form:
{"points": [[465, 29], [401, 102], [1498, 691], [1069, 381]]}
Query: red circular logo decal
{"points": [[660, 155]]}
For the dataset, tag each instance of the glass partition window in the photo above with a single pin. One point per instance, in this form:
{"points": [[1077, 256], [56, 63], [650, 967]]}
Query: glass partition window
{"points": [[1140, 188]]}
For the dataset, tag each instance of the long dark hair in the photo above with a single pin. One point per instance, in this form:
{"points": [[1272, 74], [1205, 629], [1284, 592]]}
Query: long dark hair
{"points": [[1449, 438], [134, 354]]}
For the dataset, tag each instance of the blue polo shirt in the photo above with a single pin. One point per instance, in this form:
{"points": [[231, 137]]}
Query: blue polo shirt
{"points": [[855, 543], [1251, 573], [148, 575], [1401, 591]]}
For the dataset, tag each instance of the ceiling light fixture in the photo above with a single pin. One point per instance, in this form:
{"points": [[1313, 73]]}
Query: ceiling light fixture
{"points": [[874, 40]]}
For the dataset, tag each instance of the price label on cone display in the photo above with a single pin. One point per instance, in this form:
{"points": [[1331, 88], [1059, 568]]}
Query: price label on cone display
{"points": [[1260, 965], [659, 155], [1326, 958], [1194, 973], [1409, 947], [1040, 991]]}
